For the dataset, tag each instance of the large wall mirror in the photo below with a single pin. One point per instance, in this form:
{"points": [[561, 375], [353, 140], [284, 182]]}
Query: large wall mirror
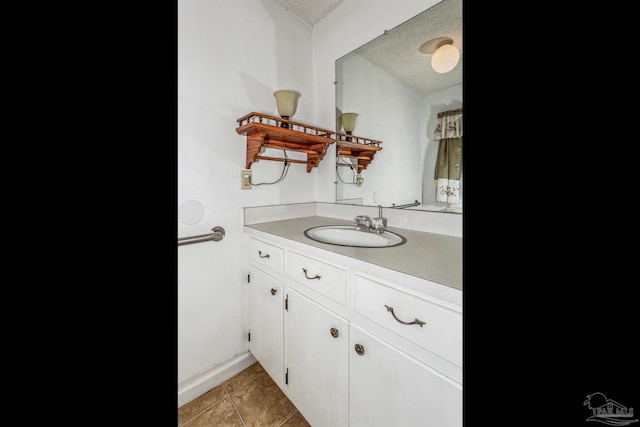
{"points": [[401, 100]]}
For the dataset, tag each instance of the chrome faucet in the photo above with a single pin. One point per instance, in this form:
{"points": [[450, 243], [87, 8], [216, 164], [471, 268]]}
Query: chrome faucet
{"points": [[361, 220], [378, 224]]}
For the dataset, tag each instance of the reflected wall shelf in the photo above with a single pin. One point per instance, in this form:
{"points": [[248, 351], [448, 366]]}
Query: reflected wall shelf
{"points": [[264, 131], [363, 152]]}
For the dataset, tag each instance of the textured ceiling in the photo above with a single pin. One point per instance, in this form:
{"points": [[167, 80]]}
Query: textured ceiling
{"points": [[310, 10], [398, 52]]}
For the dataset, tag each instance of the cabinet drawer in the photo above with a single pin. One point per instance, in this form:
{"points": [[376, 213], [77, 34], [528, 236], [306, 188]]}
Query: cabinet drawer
{"points": [[323, 278], [266, 254], [441, 332]]}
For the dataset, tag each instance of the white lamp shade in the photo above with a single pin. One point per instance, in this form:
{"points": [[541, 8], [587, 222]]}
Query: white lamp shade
{"points": [[285, 101], [445, 58], [349, 121]]}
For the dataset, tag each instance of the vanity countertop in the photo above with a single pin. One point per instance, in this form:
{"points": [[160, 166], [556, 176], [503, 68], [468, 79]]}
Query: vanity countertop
{"points": [[435, 258]]}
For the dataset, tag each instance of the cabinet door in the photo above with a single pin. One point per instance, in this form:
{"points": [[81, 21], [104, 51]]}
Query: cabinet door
{"points": [[316, 361], [265, 322], [390, 388]]}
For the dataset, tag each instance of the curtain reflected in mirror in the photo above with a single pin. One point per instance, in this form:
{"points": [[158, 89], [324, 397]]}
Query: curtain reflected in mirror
{"points": [[448, 170]]}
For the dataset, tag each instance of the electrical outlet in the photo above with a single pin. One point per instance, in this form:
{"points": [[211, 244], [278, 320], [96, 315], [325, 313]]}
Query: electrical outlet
{"points": [[245, 178]]}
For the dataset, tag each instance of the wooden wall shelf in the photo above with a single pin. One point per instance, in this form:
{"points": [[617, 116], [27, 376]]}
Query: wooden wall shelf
{"points": [[264, 131]]}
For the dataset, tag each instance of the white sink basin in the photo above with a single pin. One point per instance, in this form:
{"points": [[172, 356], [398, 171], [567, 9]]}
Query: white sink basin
{"points": [[347, 235]]}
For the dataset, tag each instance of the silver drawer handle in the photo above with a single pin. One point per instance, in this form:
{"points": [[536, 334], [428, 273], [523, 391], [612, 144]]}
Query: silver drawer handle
{"points": [[310, 278], [415, 322], [260, 254]]}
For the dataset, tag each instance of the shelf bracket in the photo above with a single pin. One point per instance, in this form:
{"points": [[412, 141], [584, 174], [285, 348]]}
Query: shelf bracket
{"points": [[255, 141]]}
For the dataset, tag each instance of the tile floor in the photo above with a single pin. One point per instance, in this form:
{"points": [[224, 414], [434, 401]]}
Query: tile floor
{"points": [[249, 399]]}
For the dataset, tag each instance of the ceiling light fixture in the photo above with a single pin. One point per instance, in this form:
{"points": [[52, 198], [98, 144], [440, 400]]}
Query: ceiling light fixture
{"points": [[445, 54]]}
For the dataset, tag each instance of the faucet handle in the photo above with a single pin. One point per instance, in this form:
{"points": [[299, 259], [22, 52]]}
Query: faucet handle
{"points": [[378, 224], [361, 220]]}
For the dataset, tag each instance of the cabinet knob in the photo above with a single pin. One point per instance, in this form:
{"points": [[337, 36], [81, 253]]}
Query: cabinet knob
{"points": [[334, 332], [273, 291], [359, 349]]}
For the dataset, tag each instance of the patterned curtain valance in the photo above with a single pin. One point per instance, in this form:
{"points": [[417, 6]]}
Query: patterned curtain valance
{"points": [[449, 125]]}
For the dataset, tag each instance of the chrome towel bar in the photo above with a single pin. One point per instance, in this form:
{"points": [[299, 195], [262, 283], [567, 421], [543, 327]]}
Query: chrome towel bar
{"points": [[216, 234], [408, 205]]}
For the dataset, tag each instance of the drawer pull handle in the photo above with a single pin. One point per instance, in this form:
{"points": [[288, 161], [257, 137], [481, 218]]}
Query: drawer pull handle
{"points": [[334, 332], [310, 278], [415, 321], [260, 254], [359, 349], [273, 291]]}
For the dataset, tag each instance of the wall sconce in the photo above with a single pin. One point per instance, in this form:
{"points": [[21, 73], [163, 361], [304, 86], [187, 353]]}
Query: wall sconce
{"points": [[445, 54], [349, 123], [285, 103]]}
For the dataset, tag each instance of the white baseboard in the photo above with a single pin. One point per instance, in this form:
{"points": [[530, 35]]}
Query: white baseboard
{"points": [[195, 387]]}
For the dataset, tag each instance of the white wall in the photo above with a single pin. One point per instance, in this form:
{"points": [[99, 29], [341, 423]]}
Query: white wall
{"points": [[350, 25], [232, 55], [409, 122], [388, 111]]}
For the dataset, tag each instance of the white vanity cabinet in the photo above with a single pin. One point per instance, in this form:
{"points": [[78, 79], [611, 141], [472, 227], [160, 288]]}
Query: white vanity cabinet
{"points": [[321, 277], [265, 307], [390, 388], [316, 360], [354, 349]]}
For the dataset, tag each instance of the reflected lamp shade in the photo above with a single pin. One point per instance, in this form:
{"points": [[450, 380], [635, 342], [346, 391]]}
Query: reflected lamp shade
{"points": [[445, 58], [349, 122], [285, 102]]}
